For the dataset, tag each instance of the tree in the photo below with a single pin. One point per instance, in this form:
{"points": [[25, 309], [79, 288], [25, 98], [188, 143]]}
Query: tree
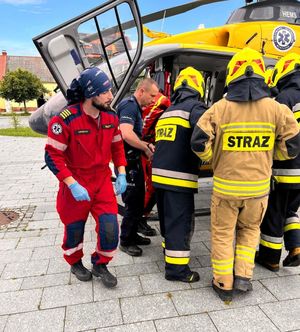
{"points": [[21, 86]]}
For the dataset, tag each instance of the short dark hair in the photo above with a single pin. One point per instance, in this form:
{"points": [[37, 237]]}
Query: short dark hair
{"points": [[146, 83]]}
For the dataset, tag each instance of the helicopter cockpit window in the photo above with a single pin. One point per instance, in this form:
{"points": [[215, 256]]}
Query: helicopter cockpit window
{"points": [[237, 16], [262, 13], [115, 38]]}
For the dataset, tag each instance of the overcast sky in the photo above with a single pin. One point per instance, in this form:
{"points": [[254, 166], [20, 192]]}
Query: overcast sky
{"points": [[21, 20]]}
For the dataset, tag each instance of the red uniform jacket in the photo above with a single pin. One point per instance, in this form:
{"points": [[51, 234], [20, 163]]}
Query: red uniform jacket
{"points": [[76, 141]]}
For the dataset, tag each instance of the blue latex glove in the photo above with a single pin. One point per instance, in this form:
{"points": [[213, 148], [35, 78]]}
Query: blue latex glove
{"points": [[121, 184], [79, 192]]}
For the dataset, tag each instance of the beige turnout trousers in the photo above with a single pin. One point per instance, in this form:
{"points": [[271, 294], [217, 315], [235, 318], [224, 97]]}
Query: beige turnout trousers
{"points": [[234, 236]]}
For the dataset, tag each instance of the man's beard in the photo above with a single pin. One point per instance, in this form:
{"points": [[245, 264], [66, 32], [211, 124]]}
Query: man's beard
{"points": [[101, 107]]}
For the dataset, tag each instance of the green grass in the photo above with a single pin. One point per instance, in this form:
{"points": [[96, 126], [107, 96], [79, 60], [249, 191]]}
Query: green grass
{"points": [[17, 113], [20, 131]]}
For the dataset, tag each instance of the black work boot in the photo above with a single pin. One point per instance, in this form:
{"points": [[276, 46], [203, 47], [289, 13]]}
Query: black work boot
{"points": [[193, 276], [293, 258], [145, 229], [224, 295], [81, 272], [142, 241], [101, 271], [270, 266], [242, 284], [131, 250]]}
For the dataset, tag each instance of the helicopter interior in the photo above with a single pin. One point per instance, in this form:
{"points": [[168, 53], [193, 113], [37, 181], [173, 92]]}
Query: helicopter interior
{"points": [[213, 69]]}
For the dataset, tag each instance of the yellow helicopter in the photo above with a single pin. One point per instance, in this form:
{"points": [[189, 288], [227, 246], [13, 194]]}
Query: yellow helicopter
{"points": [[111, 37], [268, 26]]}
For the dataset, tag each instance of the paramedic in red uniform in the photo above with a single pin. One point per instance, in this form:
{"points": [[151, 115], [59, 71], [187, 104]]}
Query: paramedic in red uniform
{"points": [[82, 140]]}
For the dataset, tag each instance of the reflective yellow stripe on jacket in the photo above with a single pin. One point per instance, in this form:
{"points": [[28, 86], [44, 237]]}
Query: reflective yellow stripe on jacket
{"points": [[241, 188], [172, 178], [287, 175]]}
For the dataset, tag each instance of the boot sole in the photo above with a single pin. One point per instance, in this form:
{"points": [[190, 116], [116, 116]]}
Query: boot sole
{"points": [[87, 278], [242, 287], [183, 280], [106, 284], [226, 297], [293, 261]]}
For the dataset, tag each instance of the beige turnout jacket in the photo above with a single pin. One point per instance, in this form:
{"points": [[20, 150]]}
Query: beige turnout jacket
{"points": [[241, 139]]}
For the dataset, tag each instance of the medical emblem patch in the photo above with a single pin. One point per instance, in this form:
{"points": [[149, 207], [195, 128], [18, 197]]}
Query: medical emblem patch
{"points": [[56, 128], [283, 38]]}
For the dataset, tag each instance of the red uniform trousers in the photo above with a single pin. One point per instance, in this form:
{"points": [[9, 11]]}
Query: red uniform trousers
{"points": [[150, 198], [103, 207]]}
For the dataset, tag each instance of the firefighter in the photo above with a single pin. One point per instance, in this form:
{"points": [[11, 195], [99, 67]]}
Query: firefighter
{"points": [[130, 114], [82, 140], [175, 173], [241, 133], [281, 218], [151, 115]]}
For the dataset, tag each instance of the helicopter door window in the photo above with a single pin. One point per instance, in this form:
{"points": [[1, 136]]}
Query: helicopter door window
{"points": [[106, 36]]}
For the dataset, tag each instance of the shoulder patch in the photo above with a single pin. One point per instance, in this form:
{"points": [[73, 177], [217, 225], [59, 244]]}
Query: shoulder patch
{"points": [[56, 128]]}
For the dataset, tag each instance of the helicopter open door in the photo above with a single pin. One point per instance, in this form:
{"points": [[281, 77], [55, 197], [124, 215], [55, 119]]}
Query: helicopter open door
{"points": [[94, 39]]}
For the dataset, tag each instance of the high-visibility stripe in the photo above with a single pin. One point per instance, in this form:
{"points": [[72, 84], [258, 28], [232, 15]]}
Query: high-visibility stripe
{"points": [[174, 182], [241, 188], [244, 253], [163, 244], [173, 121], [176, 113], [248, 126], [222, 266], [205, 155], [285, 171], [177, 260], [272, 239], [291, 227], [71, 251], [56, 144], [292, 220], [174, 174], [276, 246], [217, 261], [287, 179], [246, 248], [177, 253], [117, 138], [222, 273], [245, 258]]}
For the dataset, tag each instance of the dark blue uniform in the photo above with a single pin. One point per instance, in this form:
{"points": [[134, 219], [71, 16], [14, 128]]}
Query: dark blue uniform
{"points": [[175, 171], [281, 218], [130, 112]]}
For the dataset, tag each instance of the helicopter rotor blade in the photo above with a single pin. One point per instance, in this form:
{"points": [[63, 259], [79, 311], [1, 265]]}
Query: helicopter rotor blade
{"points": [[168, 12]]}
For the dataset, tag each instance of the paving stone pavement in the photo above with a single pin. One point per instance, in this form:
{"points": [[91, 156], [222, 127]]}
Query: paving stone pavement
{"points": [[38, 293]]}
